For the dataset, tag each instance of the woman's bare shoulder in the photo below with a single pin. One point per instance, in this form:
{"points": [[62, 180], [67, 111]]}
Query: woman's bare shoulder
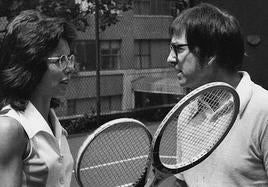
{"points": [[13, 138]]}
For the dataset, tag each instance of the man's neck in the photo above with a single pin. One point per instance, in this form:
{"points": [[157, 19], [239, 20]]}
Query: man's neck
{"points": [[230, 78]]}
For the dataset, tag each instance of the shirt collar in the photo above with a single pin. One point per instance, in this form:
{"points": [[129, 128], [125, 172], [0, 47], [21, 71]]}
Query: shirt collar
{"points": [[245, 91], [36, 123], [56, 124]]}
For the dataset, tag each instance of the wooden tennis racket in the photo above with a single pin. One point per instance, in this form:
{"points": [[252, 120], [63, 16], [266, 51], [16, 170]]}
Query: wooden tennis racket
{"points": [[114, 155], [190, 132]]}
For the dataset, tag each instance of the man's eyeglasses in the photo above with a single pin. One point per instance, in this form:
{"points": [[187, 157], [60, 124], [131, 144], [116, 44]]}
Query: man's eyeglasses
{"points": [[177, 47], [64, 61]]}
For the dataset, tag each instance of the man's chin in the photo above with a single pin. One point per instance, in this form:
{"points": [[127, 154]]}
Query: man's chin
{"points": [[183, 84], [188, 86]]}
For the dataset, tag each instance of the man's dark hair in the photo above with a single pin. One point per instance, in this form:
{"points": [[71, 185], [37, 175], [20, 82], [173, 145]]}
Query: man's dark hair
{"points": [[30, 38], [210, 32]]}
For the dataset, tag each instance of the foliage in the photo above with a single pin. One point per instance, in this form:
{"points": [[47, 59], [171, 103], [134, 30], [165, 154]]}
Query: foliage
{"points": [[75, 11], [79, 125], [181, 5], [10, 8]]}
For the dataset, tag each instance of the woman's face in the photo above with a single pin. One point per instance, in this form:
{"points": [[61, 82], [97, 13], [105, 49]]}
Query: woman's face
{"points": [[55, 80]]}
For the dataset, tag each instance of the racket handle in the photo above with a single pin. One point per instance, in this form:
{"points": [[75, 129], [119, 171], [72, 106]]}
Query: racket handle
{"points": [[156, 180]]}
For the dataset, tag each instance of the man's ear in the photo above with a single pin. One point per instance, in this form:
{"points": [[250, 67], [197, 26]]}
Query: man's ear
{"points": [[211, 60]]}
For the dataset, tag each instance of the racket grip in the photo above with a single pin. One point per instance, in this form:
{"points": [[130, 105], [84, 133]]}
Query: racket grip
{"points": [[156, 181]]}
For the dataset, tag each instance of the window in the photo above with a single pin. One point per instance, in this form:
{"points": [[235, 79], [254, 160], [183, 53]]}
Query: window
{"points": [[152, 7], [110, 54], [142, 54], [85, 53], [160, 52], [141, 7]]}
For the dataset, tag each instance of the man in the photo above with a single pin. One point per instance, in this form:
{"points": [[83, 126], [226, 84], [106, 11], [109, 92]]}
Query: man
{"points": [[206, 46]]}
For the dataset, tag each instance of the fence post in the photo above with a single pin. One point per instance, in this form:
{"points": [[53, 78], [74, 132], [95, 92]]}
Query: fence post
{"points": [[97, 60]]}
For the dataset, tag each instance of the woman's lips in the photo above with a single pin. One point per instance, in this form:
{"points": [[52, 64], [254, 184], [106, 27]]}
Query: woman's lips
{"points": [[179, 73], [64, 81]]}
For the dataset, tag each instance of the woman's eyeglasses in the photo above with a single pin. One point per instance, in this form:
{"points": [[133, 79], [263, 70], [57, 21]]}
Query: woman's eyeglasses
{"points": [[64, 61]]}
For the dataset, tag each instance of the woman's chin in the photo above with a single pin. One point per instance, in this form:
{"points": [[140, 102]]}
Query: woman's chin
{"points": [[60, 94]]}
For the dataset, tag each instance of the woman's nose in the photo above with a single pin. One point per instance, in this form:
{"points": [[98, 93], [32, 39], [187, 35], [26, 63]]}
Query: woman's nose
{"points": [[69, 70]]}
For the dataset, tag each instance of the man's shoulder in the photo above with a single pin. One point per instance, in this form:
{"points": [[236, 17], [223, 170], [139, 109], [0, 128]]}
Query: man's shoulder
{"points": [[259, 91], [260, 97]]}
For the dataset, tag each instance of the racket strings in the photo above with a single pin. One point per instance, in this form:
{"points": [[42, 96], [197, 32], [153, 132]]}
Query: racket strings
{"points": [[212, 100], [197, 128], [117, 157], [197, 138]]}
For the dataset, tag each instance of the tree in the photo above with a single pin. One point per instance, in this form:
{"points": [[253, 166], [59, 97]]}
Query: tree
{"points": [[181, 5], [76, 11]]}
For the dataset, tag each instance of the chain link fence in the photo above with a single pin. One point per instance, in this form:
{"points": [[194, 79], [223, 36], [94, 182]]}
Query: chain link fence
{"points": [[135, 79]]}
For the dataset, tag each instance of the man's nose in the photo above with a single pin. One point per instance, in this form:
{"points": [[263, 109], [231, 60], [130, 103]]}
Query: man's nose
{"points": [[172, 58]]}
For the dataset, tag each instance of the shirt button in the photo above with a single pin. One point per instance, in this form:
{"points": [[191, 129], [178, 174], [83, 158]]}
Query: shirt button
{"points": [[61, 180], [60, 159]]}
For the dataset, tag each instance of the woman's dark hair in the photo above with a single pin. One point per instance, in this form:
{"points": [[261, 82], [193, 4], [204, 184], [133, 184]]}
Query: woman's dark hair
{"points": [[30, 38], [210, 32]]}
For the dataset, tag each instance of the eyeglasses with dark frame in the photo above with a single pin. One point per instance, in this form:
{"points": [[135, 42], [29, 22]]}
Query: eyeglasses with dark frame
{"points": [[64, 61], [176, 47]]}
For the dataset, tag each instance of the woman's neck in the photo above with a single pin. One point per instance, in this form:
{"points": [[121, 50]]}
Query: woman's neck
{"points": [[42, 105]]}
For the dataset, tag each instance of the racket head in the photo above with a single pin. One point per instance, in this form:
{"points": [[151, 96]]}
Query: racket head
{"points": [[115, 154], [192, 145]]}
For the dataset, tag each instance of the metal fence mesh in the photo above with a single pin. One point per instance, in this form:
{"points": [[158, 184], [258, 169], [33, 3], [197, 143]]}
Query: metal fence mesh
{"points": [[134, 73]]}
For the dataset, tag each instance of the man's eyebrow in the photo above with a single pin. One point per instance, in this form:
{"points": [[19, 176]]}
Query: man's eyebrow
{"points": [[179, 44]]}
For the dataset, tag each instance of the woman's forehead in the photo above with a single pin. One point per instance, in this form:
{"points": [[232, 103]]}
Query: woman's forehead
{"points": [[62, 48]]}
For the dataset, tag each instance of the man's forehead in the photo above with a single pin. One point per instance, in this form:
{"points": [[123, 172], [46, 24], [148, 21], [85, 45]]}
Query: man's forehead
{"points": [[179, 39]]}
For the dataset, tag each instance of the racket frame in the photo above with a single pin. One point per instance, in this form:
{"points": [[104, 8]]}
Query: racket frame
{"points": [[156, 163], [96, 133]]}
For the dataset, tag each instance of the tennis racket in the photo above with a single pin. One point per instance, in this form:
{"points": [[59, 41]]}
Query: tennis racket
{"points": [[193, 128], [114, 155]]}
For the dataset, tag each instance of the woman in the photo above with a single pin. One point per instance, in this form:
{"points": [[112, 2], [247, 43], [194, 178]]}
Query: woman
{"points": [[35, 66]]}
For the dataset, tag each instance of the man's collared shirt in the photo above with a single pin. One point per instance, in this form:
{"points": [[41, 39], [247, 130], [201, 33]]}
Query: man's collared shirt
{"points": [[242, 157]]}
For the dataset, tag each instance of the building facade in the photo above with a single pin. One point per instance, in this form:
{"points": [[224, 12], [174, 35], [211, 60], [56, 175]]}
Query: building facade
{"points": [[134, 52], [133, 67]]}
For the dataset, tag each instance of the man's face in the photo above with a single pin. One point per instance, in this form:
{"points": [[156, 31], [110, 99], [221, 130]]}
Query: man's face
{"points": [[187, 65]]}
